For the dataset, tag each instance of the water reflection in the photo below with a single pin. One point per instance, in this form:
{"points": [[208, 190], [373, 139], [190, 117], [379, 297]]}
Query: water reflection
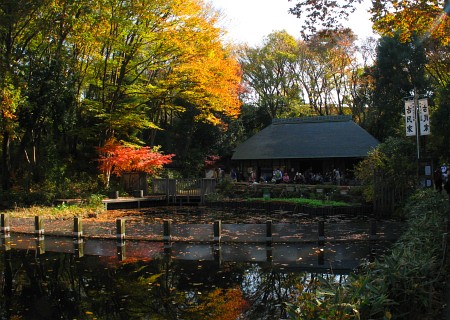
{"points": [[61, 278]]}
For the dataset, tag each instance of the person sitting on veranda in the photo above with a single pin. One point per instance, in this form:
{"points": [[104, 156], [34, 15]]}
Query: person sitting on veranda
{"points": [[277, 176], [299, 178], [233, 175], [286, 178], [252, 177]]}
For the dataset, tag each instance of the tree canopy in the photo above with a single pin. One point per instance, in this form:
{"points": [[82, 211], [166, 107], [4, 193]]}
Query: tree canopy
{"points": [[414, 37], [328, 14], [74, 74], [426, 19], [288, 77]]}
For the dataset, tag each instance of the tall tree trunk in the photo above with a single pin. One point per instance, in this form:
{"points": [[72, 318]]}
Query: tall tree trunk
{"points": [[6, 161]]}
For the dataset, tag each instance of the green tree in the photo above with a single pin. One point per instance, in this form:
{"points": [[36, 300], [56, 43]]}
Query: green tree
{"points": [[326, 69], [393, 160], [19, 25], [49, 117], [425, 23], [73, 73], [439, 142], [398, 70], [195, 140], [269, 76]]}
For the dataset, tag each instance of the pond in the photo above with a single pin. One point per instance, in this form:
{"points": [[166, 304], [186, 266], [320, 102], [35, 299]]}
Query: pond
{"points": [[188, 276], [63, 278]]}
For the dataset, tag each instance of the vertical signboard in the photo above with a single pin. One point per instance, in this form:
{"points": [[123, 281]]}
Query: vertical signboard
{"points": [[410, 118], [424, 117]]}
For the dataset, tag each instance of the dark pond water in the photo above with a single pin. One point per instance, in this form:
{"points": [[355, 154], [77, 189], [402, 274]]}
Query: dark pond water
{"points": [[59, 278]]}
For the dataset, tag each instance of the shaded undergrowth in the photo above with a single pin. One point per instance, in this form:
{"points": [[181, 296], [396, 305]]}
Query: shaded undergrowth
{"points": [[407, 283]]}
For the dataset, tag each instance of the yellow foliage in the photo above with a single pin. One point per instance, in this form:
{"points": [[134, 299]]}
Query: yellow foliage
{"points": [[426, 19], [223, 304], [207, 74], [8, 104]]}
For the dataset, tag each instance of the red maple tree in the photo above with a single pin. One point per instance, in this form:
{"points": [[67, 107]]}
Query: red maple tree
{"points": [[211, 161], [116, 158]]}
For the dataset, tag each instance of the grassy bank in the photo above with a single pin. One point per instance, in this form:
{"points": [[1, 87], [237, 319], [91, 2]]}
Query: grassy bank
{"points": [[92, 206]]}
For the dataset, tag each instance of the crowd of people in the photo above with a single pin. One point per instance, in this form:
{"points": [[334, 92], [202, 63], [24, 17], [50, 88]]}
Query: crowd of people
{"points": [[308, 177], [441, 177]]}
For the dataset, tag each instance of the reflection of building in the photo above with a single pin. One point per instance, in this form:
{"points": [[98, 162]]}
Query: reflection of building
{"points": [[299, 144]]}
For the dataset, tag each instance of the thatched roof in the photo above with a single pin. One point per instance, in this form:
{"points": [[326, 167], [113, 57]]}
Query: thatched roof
{"points": [[308, 138]]}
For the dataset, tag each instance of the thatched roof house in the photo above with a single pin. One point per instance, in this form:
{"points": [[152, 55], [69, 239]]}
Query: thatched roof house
{"points": [[319, 144]]}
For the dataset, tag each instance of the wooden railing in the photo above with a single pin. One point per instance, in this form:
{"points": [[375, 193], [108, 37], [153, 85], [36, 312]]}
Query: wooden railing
{"points": [[184, 189], [305, 230]]}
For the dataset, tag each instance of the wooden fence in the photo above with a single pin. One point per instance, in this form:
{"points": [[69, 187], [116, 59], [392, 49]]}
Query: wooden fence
{"points": [[184, 190], [311, 231], [387, 197]]}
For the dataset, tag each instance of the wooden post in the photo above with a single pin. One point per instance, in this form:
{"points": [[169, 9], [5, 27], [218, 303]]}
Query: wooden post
{"points": [[77, 227], [167, 230], [217, 253], [202, 191], [269, 253], [321, 225], [138, 193], [167, 191], [121, 249], [78, 247], [167, 235], [5, 241], [40, 244], [167, 251], [217, 231], [5, 236], [4, 223], [38, 225], [113, 194], [321, 257], [269, 232], [120, 225]]}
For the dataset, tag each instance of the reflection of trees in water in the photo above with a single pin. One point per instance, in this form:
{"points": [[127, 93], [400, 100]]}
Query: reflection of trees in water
{"points": [[6, 284], [38, 287], [61, 286], [269, 289]]}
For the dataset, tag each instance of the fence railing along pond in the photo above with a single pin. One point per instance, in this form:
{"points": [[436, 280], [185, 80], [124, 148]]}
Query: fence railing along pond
{"points": [[196, 190], [184, 189], [319, 230]]}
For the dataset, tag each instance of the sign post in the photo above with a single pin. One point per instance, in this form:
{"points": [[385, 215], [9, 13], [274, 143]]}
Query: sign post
{"points": [[417, 121]]}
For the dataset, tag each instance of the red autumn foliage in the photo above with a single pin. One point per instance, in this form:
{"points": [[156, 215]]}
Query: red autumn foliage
{"points": [[211, 161], [116, 158]]}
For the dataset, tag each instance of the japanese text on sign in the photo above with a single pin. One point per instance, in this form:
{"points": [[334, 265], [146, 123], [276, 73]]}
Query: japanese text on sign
{"points": [[424, 117], [410, 118]]}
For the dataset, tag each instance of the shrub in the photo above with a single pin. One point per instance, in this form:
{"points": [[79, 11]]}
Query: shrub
{"points": [[391, 165], [225, 187], [407, 283]]}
